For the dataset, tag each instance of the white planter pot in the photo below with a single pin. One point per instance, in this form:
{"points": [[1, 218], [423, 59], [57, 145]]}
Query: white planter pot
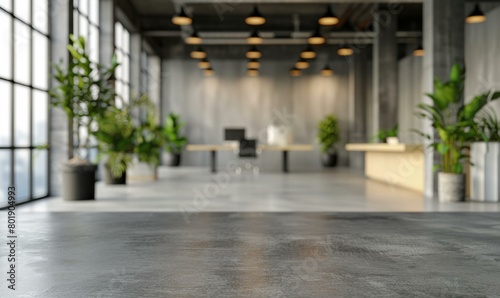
{"points": [[451, 187], [142, 172], [392, 140], [485, 178]]}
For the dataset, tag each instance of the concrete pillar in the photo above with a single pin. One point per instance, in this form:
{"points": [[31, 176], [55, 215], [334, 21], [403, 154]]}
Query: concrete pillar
{"points": [[61, 26], [385, 69], [135, 63], [444, 46], [107, 31]]}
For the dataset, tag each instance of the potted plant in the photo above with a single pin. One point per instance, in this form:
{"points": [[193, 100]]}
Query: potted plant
{"points": [[84, 92], [174, 141], [115, 137], [389, 136], [485, 158], [328, 136], [456, 128]]}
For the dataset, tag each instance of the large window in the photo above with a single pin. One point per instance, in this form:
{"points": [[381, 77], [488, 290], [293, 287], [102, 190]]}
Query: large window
{"points": [[86, 24], [122, 46], [24, 100]]}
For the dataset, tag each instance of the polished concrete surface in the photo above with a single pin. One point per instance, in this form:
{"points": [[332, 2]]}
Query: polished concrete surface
{"points": [[256, 255], [195, 189]]}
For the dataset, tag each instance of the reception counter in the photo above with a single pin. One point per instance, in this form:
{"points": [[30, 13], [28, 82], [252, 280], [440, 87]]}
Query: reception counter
{"points": [[401, 165]]}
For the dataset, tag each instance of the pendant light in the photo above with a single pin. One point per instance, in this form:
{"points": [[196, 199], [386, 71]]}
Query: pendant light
{"points": [[295, 72], [419, 51], [182, 19], [316, 38], [326, 72], [193, 38], [254, 38], [255, 19], [329, 19], [204, 64], [252, 72], [302, 64], [198, 53], [253, 63], [253, 53], [209, 72], [345, 51], [476, 16], [308, 53]]}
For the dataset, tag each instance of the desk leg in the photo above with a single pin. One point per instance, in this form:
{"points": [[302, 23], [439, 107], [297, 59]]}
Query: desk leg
{"points": [[213, 161], [285, 161]]}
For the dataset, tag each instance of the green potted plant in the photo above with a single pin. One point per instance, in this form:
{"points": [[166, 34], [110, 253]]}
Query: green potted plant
{"points": [[84, 91], [328, 136], [174, 141], [389, 136], [456, 128], [485, 158], [115, 137]]}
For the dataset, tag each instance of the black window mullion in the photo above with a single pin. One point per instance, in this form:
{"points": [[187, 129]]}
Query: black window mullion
{"points": [[31, 75], [12, 95]]}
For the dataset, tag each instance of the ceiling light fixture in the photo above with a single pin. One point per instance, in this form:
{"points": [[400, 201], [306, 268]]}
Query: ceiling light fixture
{"points": [[182, 19], [208, 72], [198, 53], [302, 64], [308, 53], [345, 51], [316, 38], [254, 38], [295, 72], [194, 38], [476, 16], [329, 19], [204, 64], [253, 53], [251, 72], [253, 63], [255, 19], [419, 51], [326, 72]]}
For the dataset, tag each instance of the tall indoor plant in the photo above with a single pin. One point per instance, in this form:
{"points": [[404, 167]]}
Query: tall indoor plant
{"points": [[456, 128], [174, 141], [328, 136], [84, 91]]}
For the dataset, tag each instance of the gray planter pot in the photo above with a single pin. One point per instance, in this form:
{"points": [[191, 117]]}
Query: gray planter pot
{"points": [[451, 187], [78, 182], [485, 173], [110, 180], [142, 172]]}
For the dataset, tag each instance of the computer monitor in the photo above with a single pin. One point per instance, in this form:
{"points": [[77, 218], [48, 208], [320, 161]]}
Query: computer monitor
{"points": [[234, 134]]}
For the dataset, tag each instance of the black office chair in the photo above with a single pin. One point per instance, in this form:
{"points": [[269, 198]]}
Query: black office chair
{"points": [[248, 150]]}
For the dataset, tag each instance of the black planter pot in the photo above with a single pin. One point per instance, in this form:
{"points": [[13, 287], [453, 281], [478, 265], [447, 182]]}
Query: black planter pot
{"points": [[173, 160], [329, 159], [78, 182], [110, 180]]}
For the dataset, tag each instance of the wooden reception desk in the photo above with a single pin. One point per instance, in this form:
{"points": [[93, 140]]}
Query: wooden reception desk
{"points": [[400, 165]]}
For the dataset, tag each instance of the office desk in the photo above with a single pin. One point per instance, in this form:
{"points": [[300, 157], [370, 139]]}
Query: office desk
{"points": [[214, 148]]}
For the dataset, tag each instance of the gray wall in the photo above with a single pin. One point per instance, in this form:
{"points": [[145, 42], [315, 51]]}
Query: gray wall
{"points": [[231, 99]]}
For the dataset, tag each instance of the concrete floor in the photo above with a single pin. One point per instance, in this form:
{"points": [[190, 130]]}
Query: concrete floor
{"points": [[195, 189], [256, 255]]}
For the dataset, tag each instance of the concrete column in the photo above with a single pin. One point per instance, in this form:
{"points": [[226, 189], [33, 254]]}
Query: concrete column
{"points": [[135, 63], [385, 69], [61, 25], [444, 46], [107, 31]]}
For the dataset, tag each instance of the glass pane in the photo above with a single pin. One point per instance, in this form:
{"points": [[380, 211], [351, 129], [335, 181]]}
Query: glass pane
{"points": [[126, 41], [119, 57], [94, 44], [22, 9], [21, 116], [40, 111], [84, 7], [21, 170], [126, 69], [5, 45], [94, 12], [84, 27], [5, 113], [5, 172], [22, 58], [40, 15], [5, 4], [40, 57], [75, 21], [118, 35], [40, 164], [126, 93]]}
